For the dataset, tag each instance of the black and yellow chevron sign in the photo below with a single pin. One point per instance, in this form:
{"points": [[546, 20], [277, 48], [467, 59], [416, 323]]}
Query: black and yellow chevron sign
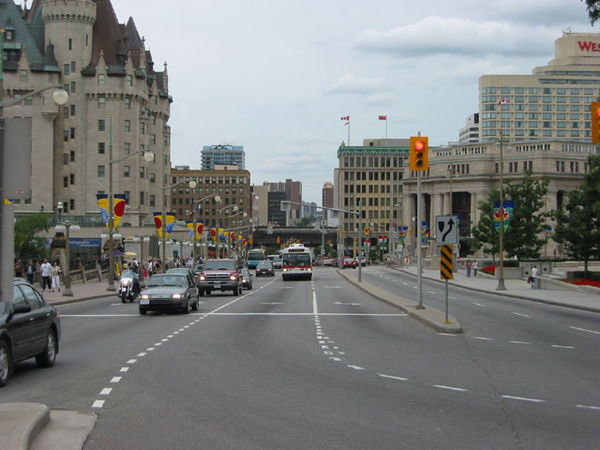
{"points": [[446, 262]]}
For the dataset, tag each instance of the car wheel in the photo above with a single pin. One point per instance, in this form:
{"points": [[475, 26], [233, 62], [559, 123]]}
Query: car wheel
{"points": [[240, 289], [196, 304], [250, 286], [48, 355], [201, 292], [5, 363], [143, 311], [186, 309]]}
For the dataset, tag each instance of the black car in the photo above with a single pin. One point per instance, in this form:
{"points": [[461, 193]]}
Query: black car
{"points": [[265, 269], [29, 327], [187, 272], [168, 292], [246, 279]]}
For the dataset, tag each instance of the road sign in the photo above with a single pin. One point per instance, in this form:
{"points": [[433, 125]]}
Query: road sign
{"points": [[446, 230], [446, 262]]}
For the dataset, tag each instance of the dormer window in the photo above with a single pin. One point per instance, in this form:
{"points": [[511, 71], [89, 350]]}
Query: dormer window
{"points": [[9, 35]]}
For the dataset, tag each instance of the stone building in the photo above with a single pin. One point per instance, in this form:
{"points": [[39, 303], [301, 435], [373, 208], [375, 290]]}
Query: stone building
{"points": [[118, 103]]}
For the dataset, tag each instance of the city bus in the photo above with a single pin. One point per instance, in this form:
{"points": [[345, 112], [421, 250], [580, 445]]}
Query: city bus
{"points": [[297, 262], [255, 256]]}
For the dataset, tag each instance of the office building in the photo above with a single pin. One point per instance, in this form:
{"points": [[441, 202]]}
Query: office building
{"points": [[223, 155]]}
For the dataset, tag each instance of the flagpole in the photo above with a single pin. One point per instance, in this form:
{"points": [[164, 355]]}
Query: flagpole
{"points": [[386, 120]]}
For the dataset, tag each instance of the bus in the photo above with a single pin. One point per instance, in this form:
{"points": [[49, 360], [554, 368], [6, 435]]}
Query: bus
{"points": [[255, 256], [297, 262]]}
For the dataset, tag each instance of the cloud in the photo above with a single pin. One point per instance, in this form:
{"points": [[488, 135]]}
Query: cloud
{"points": [[351, 84], [458, 36]]}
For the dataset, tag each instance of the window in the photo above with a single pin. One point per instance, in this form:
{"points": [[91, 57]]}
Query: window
{"points": [[142, 172], [66, 70], [70, 44], [73, 66], [127, 196], [152, 177], [142, 197], [9, 35], [127, 102], [65, 182], [66, 135], [127, 148], [73, 86], [101, 148], [66, 113], [101, 102], [152, 139], [101, 171], [101, 79], [126, 171], [130, 80], [66, 159], [33, 298], [101, 125], [23, 75], [72, 133], [127, 126], [72, 178], [72, 110], [152, 201]]}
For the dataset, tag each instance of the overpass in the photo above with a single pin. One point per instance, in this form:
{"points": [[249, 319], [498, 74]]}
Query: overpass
{"points": [[272, 237]]}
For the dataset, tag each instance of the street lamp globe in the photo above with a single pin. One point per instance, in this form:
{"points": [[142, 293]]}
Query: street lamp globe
{"points": [[149, 156], [60, 97], [192, 184]]}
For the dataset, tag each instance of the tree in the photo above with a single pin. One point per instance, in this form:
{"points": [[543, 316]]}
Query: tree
{"points": [[523, 237], [305, 222], [593, 9], [578, 226], [27, 245]]}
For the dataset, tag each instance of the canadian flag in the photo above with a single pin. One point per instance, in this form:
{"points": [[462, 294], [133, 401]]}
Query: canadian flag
{"points": [[345, 117], [382, 117], [503, 101]]}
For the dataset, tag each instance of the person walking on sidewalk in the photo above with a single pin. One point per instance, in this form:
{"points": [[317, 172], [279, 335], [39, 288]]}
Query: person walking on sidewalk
{"points": [[534, 276], [19, 268], [30, 271], [46, 270], [468, 268], [56, 276], [475, 267]]}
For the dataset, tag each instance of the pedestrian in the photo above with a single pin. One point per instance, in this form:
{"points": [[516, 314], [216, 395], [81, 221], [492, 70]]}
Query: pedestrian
{"points": [[56, 276], [468, 267], [30, 271], [46, 270], [150, 267], [534, 276], [475, 268], [19, 269]]}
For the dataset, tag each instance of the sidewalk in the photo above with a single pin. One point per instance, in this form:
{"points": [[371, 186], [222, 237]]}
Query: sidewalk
{"points": [[81, 291], [517, 289]]}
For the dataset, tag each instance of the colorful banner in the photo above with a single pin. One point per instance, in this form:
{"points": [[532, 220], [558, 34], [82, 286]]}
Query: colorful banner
{"points": [[213, 234], [158, 223], [547, 233], [119, 201], [508, 213], [199, 229], [170, 223], [402, 233], [424, 231], [189, 224]]}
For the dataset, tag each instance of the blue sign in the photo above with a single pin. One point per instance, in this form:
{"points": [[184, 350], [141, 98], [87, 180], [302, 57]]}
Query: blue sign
{"points": [[85, 242]]}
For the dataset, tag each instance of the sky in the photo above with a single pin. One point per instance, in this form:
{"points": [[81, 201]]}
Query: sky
{"points": [[276, 76]]}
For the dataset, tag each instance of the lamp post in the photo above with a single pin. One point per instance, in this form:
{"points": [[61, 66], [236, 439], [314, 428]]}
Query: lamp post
{"points": [[501, 286], [7, 213], [148, 156], [195, 218], [67, 226]]}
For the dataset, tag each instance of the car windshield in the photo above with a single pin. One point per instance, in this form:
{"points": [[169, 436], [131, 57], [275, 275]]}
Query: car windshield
{"points": [[265, 265], [166, 280], [219, 265]]}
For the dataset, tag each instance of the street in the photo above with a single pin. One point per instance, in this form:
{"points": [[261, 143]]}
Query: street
{"points": [[321, 364]]}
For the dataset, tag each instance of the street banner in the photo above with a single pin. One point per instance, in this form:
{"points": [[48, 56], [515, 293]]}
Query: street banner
{"points": [[119, 201], [424, 231], [402, 233], [547, 233], [508, 213], [158, 223]]}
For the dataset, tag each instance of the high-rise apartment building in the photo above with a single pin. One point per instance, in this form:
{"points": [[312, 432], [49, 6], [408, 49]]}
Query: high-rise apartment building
{"points": [[118, 104], [293, 193], [223, 155]]}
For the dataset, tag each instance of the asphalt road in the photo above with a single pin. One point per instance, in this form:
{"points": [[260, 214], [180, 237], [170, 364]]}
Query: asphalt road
{"points": [[322, 365]]}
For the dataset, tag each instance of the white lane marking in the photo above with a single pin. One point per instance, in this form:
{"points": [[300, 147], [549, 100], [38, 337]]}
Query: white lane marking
{"points": [[355, 367], [452, 298], [124, 369], [448, 334], [521, 315], [332, 287], [574, 328], [523, 399], [309, 314], [106, 391], [335, 358], [520, 342], [482, 338], [392, 377], [170, 336], [315, 309], [115, 379], [132, 361], [595, 408], [142, 354], [272, 303], [433, 292], [406, 284], [563, 346], [158, 344], [479, 304], [164, 340], [99, 315], [98, 404], [348, 304], [449, 388], [149, 349], [285, 287]]}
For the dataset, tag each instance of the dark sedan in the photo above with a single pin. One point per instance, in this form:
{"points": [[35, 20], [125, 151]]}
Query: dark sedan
{"points": [[29, 327], [265, 269], [169, 292], [246, 279]]}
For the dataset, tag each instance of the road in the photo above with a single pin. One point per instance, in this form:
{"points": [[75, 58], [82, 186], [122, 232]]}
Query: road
{"points": [[323, 365]]}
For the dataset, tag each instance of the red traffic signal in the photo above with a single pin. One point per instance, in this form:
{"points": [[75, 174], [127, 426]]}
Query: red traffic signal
{"points": [[419, 153]]}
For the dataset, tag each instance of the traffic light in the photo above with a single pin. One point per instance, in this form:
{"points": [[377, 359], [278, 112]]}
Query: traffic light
{"points": [[595, 109], [419, 153]]}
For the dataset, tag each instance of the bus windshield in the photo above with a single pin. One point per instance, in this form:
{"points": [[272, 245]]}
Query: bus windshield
{"points": [[256, 255], [296, 259]]}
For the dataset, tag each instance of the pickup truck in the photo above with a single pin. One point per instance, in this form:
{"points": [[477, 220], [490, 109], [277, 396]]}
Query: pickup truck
{"points": [[220, 275]]}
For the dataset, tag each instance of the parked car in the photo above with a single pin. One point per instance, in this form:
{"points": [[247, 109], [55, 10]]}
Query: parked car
{"points": [[349, 263], [221, 275], [168, 292], [29, 328], [246, 278], [265, 269]]}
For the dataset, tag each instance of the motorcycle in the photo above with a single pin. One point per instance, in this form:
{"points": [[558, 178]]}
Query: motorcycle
{"points": [[127, 290]]}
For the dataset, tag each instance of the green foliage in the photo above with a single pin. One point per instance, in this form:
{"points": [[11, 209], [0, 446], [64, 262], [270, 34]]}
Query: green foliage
{"points": [[523, 238], [305, 222], [578, 225], [593, 9], [27, 244]]}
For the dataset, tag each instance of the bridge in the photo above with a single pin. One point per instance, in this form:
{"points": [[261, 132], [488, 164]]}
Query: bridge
{"points": [[310, 237]]}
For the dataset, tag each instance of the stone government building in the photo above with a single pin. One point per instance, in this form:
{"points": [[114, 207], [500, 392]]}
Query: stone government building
{"points": [[115, 97], [543, 119]]}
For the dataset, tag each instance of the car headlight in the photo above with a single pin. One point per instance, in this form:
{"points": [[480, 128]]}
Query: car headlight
{"points": [[177, 296], [233, 278], [202, 278], [125, 282], [145, 296], [285, 270]]}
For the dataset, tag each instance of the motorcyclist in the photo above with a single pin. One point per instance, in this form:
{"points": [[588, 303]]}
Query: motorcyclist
{"points": [[130, 273]]}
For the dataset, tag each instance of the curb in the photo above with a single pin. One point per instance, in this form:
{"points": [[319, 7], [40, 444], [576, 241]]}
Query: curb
{"points": [[519, 297], [75, 300], [21, 423], [429, 316]]}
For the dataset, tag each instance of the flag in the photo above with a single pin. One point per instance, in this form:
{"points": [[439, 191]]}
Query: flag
{"points": [[158, 223], [170, 222], [382, 117], [503, 101], [346, 118], [189, 224], [118, 208], [199, 229]]}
